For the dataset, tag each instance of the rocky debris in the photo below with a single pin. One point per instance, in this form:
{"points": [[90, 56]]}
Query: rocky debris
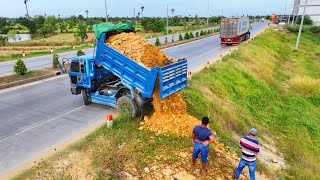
{"points": [[146, 169], [167, 172], [184, 176]]}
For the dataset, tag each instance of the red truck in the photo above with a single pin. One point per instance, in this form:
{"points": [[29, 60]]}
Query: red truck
{"points": [[234, 30]]}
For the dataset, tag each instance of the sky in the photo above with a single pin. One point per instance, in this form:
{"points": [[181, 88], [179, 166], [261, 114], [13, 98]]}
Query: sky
{"points": [[124, 8]]}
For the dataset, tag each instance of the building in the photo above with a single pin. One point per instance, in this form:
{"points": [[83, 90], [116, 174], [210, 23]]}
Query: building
{"points": [[313, 9]]}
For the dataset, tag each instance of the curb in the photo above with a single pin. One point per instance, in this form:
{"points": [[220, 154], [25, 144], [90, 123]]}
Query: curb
{"points": [[25, 81]]}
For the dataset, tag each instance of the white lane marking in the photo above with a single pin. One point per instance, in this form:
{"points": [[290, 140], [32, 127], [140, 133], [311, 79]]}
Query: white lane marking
{"points": [[204, 54], [189, 42], [42, 123]]}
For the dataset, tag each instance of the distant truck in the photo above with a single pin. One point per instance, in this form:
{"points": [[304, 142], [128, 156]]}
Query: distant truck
{"points": [[234, 30], [110, 78]]}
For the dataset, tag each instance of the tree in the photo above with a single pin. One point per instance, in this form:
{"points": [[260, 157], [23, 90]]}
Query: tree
{"points": [[51, 23], [186, 35], [20, 68], [3, 22], [142, 8], [81, 33], [307, 20], [12, 34], [28, 23], [87, 12], [180, 37], [172, 11], [43, 31], [157, 43], [80, 53], [39, 21], [62, 26], [55, 60], [25, 2], [3, 40]]}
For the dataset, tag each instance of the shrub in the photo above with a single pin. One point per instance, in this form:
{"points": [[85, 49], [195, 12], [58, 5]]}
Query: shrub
{"points": [[3, 40], [186, 35], [191, 35], [315, 29], [80, 53], [201, 33], [180, 37], [157, 43], [166, 40], [55, 61], [20, 68], [209, 31], [172, 39], [197, 34]]}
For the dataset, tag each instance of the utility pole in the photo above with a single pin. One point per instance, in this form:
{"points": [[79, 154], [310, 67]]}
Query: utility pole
{"points": [[106, 7], [301, 24], [208, 15], [167, 19]]}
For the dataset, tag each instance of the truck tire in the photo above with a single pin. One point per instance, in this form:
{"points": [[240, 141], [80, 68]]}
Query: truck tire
{"points": [[126, 104], [247, 36], [85, 97]]}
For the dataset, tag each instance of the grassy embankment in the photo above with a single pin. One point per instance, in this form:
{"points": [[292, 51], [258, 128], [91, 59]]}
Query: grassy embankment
{"points": [[265, 85], [268, 86]]}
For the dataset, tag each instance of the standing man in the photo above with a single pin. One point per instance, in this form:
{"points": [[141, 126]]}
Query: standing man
{"points": [[250, 149], [201, 137]]}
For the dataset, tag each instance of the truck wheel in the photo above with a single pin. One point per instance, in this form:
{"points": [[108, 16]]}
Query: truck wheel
{"points": [[85, 97], [127, 105], [247, 36]]}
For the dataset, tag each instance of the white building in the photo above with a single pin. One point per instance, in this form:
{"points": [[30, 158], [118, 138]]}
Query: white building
{"points": [[313, 9]]}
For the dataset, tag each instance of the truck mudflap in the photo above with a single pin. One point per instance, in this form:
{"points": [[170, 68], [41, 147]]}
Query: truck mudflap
{"points": [[173, 78]]}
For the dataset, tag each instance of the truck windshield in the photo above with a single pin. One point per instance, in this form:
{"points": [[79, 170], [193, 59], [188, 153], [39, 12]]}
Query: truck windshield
{"points": [[75, 67]]}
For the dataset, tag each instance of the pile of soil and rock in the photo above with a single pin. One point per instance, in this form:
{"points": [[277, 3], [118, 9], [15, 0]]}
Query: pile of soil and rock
{"points": [[170, 116]]}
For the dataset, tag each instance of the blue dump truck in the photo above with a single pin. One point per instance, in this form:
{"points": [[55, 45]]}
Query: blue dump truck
{"points": [[109, 78]]}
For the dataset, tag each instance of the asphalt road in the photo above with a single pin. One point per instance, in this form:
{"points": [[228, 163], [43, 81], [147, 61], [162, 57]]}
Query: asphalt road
{"points": [[38, 116], [41, 62]]}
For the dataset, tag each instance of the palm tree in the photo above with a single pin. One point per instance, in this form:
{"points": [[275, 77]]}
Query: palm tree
{"points": [[142, 8], [25, 2], [87, 12], [139, 14], [172, 11]]}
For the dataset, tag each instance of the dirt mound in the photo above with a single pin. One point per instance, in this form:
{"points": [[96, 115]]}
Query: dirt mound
{"points": [[138, 49], [170, 114]]}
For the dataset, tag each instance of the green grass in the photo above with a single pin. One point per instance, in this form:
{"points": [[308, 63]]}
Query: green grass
{"points": [[269, 86], [29, 74], [42, 53]]}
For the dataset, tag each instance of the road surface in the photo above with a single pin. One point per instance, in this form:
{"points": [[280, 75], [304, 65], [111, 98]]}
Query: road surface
{"points": [[41, 62], [38, 116]]}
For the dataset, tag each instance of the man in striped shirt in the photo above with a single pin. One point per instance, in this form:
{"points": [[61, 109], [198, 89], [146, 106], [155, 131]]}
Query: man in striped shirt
{"points": [[250, 149]]}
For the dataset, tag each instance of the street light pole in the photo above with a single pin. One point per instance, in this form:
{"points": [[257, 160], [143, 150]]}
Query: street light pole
{"points": [[301, 24], [106, 7], [208, 15], [167, 19]]}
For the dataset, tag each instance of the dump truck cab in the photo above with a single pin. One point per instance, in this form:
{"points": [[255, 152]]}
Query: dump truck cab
{"points": [[112, 79]]}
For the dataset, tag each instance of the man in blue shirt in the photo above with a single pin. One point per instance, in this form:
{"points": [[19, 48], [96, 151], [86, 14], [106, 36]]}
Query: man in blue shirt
{"points": [[201, 137]]}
